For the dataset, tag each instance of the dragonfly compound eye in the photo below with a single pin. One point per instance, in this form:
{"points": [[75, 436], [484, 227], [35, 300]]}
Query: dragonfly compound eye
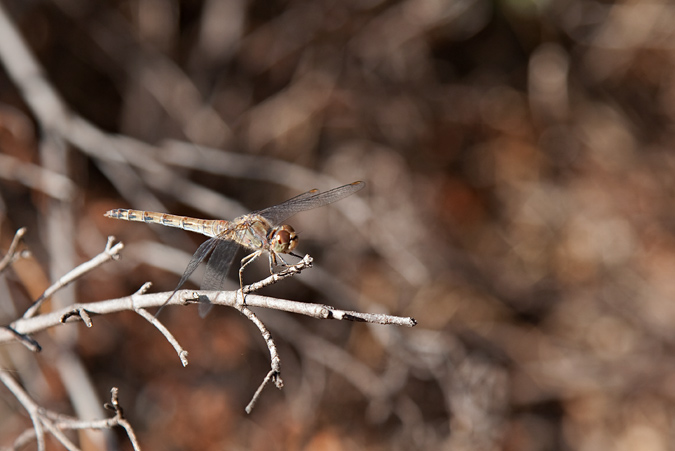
{"points": [[284, 239]]}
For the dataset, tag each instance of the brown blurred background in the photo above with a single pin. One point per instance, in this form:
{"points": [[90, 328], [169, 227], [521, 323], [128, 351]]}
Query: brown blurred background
{"points": [[519, 204]]}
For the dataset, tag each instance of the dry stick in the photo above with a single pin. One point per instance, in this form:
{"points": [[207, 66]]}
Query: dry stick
{"points": [[227, 298], [275, 373], [27, 403], [119, 418], [109, 253], [152, 319], [288, 271], [65, 422], [35, 413], [12, 254], [55, 423]]}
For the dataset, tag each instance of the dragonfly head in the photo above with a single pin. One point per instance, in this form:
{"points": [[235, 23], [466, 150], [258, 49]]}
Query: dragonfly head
{"points": [[283, 239]]}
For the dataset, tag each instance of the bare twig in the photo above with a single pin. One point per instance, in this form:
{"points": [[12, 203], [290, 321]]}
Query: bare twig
{"points": [[65, 422], [109, 253], [56, 423], [35, 412], [271, 376], [119, 418], [288, 271], [12, 254], [182, 353], [275, 373]]}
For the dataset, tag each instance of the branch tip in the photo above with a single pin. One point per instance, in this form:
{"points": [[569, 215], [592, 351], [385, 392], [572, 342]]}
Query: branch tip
{"points": [[183, 357], [143, 289]]}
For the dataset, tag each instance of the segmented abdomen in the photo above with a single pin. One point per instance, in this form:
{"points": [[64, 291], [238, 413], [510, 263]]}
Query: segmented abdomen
{"points": [[208, 227]]}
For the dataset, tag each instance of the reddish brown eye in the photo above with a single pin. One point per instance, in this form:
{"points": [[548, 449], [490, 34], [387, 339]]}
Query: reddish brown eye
{"points": [[283, 237]]}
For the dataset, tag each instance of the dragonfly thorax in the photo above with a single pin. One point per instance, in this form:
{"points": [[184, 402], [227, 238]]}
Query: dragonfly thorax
{"points": [[283, 239]]}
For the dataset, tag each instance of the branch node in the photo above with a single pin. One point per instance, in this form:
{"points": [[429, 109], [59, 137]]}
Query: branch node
{"points": [[193, 297], [80, 313]]}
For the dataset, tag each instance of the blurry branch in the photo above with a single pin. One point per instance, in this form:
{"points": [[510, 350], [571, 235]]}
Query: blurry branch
{"points": [[13, 254], [35, 177], [55, 423], [112, 150], [109, 253], [221, 162]]}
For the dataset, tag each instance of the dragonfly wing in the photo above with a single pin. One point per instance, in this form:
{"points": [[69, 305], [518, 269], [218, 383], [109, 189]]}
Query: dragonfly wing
{"points": [[308, 201], [216, 269], [200, 254]]}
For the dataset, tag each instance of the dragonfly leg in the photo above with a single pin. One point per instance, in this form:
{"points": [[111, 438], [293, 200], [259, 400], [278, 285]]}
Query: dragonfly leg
{"points": [[283, 262], [273, 261], [244, 262]]}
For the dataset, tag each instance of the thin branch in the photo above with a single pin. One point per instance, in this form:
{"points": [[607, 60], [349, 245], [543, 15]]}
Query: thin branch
{"points": [[25, 340], [66, 422], [58, 433], [119, 418], [12, 254], [38, 178], [109, 253], [275, 361], [289, 271], [34, 411], [182, 353], [56, 423], [152, 319], [272, 375]]}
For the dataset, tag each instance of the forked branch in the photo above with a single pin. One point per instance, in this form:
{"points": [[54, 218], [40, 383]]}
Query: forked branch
{"points": [[13, 253], [55, 423], [109, 253]]}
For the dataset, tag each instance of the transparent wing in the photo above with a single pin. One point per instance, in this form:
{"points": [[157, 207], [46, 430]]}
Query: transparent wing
{"points": [[200, 254], [308, 201], [216, 270]]}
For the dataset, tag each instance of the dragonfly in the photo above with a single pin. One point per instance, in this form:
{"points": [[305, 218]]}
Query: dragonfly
{"points": [[260, 231]]}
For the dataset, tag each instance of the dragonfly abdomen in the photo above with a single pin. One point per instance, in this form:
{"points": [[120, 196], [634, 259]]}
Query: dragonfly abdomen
{"points": [[204, 226]]}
